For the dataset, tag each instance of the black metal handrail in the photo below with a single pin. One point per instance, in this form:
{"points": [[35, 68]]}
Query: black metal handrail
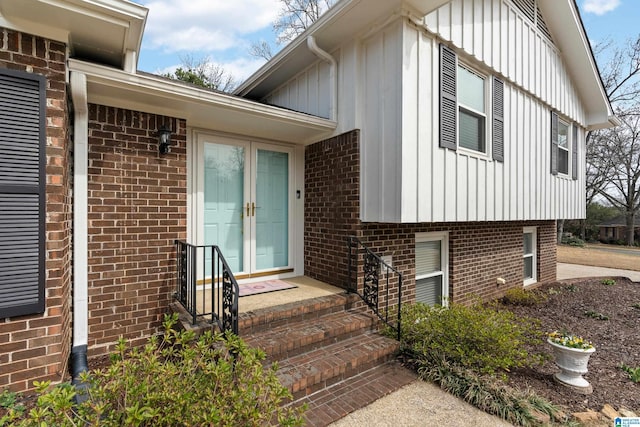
{"points": [[204, 265], [373, 289]]}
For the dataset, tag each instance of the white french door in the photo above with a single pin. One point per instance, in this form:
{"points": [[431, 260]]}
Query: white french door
{"points": [[244, 203]]}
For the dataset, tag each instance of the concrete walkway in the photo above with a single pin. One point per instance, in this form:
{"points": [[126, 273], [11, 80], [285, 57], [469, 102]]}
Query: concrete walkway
{"points": [[575, 271], [420, 404]]}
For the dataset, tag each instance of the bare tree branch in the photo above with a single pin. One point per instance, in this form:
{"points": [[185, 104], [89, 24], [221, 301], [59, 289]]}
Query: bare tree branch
{"points": [[203, 72]]}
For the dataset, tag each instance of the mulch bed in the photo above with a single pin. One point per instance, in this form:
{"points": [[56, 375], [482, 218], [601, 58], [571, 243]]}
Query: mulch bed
{"points": [[616, 340]]}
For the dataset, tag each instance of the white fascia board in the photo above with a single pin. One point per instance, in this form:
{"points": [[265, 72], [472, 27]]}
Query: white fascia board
{"points": [[565, 24], [201, 108], [298, 43], [120, 23], [346, 19]]}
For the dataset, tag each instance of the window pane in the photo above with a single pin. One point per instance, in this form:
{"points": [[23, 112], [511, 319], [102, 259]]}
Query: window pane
{"points": [[429, 291], [470, 89], [563, 161], [563, 134], [471, 131], [528, 240], [428, 257], [528, 267]]}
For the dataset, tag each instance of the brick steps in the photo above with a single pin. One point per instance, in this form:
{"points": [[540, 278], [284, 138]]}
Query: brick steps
{"points": [[329, 354], [272, 317], [334, 402], [309, 335], [309, 372]]}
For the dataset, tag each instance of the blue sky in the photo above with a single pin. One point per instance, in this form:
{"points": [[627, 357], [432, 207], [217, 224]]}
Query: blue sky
{"points": [[223, 30]]}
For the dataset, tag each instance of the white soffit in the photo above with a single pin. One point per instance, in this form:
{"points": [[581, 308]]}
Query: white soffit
{"points": [[563, 20], [96, 30], [345, 20], [201, 108]]}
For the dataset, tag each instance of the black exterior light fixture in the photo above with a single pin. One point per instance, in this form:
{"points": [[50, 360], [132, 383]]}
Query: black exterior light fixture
{"points": [[164, 139]]}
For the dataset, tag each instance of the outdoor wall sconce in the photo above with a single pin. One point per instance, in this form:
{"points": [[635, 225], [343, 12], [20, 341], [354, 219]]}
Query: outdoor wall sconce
{"points": [[164, 139]]}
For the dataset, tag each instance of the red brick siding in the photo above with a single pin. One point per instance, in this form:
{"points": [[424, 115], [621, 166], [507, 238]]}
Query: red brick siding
{"points": [[479, 252], [547, 256], [137, 208], [37, 347], [331, 206]]}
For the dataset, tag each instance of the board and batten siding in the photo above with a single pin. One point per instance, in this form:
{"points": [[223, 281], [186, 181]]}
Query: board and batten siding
{"points": [[498, 35], [308, 92], [433, 184]]}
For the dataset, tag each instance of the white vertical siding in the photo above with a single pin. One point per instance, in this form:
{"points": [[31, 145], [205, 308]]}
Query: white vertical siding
{"points": [[382, 151], [308, 92], [443, 185], [497, 34]]}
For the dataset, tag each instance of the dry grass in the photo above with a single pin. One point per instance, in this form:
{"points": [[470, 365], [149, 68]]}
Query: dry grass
{"points": [[591, 255]]}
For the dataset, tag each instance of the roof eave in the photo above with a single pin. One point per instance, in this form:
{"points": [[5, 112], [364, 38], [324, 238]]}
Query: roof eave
{"points": [[346, 19], [109, 30], [565, 23], [201, 108]]}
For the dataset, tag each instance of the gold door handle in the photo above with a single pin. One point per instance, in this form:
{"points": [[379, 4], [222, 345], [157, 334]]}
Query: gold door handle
{"points": [[247, 209], [253, 209]]}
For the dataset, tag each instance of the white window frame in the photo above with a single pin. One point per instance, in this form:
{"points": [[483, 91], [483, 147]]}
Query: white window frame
{"points": [[485, 115], [533, 255], [443, 237], [562, 122]]}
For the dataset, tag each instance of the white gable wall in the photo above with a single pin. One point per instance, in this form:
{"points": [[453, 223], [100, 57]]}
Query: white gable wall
{"points": [[388, 86], [435, 184]]}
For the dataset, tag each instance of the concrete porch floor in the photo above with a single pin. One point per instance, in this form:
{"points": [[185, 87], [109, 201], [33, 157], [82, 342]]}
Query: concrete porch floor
{"points": [[307, 288]]}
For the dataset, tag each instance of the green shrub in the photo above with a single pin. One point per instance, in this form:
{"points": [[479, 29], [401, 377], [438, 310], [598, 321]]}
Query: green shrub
{"points": [[595, 315], [633, 373], [479, 337], [174, 380], [520, 296], [573, 241], [608, 282], [487, 393]]}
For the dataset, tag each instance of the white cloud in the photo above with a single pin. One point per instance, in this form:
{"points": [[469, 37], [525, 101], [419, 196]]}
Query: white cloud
{"points": [[242, 68], [205, 25], [600, 7], [239, 68]]}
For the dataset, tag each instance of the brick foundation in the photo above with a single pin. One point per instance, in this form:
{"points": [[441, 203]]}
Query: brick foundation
{"points": [[36, 348], [479, 252], [137, 208]]}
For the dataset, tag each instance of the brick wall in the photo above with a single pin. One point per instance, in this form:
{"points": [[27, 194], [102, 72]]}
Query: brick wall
{"points": [[479, 252], [331, 206], [547, 256], [137, 208], [37, 347]]}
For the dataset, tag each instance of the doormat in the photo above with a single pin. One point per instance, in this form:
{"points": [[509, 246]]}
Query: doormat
{"points": [[263, 287]]}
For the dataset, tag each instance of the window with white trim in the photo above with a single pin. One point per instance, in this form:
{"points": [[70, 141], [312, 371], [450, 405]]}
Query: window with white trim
{"points": [[432, 268], [530, 255], [563, 147], [471, 109]]}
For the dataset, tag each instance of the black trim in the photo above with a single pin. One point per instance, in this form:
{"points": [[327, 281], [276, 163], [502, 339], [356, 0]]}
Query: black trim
{"points": [[22, 192], [574, 152], [448, 98], [554, 143], [498, 120]]}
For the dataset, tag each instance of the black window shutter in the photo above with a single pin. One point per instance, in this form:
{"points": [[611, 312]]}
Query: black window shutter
{"points": [[498, 120], [448, 99], [554, 143], [22, 193], [574, 152]]}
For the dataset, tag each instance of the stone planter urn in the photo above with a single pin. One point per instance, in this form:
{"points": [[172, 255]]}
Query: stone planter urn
{"points": [[573, 364]]}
